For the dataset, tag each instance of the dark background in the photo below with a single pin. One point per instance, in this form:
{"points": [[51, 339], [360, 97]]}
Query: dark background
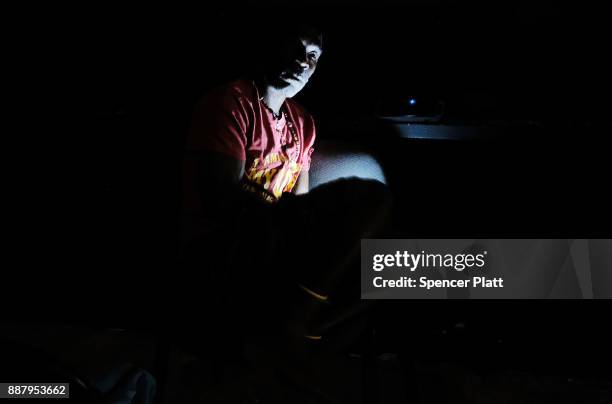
{"points": [[534, 73], [107, 89]]}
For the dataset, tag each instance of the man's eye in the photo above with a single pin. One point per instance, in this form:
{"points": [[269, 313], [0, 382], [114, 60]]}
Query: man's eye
{"points": [[312, 56]]}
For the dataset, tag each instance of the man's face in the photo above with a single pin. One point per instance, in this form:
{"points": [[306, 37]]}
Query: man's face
{"points": [[295, 66]]}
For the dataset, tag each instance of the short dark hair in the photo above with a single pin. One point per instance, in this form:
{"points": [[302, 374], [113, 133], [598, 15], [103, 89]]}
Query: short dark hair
{"points": [[302, 26], [308, 32], [274, 37]]}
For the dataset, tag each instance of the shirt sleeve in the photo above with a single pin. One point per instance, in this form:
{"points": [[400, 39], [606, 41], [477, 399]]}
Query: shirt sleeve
{"points": [[220, 124]]}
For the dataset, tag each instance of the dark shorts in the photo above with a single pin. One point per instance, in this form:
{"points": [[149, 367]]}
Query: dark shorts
{"points": [[309, 241], [258, 273]]}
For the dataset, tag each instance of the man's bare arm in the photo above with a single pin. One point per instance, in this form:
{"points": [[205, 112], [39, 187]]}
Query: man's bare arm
{"points": [[216, 179], [218, 169]]}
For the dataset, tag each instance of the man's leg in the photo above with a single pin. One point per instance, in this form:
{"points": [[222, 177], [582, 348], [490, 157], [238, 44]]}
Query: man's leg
{"points": [[333, 219]]}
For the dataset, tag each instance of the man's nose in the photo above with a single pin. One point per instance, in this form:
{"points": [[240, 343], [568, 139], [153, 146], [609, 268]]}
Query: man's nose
{"points": [[301, 61]]}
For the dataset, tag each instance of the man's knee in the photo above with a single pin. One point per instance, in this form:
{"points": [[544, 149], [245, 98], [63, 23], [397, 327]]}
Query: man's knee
{"points": [[353, 186], [361, 205], [370, 194], [369, 204]]}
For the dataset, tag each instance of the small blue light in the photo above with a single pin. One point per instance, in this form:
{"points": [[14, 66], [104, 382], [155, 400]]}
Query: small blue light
{"points": [[412, 101]]}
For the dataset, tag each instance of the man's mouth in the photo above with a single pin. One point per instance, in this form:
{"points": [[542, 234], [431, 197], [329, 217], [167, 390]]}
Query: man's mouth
{"points": [[292, 76]]}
